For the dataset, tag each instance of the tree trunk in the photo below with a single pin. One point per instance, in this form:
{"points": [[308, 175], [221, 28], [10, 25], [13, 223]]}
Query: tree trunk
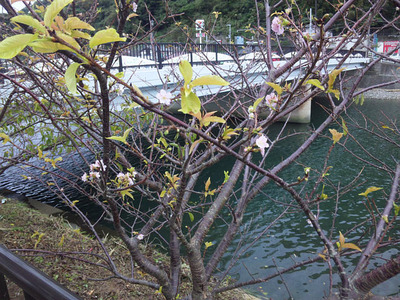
{"points": [[365, 283]]}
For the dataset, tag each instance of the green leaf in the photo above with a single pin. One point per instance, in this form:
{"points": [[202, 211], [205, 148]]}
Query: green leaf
{"points": [[344, 126], [370, 190], [53, 9], [126, 193], [187, 72], [190, 103], [30, 21], [105, 36], [13, 45], [226, 176], [121, 138], [80, 34], [70, 78], [209, 80], [70, 40], [44, 46], [362, 100], [76, 23], [278, 89], [385, 218], [316, 83], [258, 101], [396, 209], [191, 216]]}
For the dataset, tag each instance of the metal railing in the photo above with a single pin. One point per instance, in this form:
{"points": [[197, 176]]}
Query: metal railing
{"points": [[162, 54], [35, 284]]}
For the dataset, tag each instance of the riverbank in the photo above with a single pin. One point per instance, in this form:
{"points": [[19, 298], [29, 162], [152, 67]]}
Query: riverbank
{"points": [[74, 258]]}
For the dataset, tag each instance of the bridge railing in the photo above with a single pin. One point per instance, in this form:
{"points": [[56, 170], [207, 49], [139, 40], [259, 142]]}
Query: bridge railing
{"points": [[35, 284], [159, 55]]}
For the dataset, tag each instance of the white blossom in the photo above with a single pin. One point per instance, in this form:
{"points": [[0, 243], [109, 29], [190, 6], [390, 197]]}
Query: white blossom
{"points": [[164, 97], [84, 177], [134, 6], [98, 165], [140, 237], [94, 175], [262, 143], [277, 26]]}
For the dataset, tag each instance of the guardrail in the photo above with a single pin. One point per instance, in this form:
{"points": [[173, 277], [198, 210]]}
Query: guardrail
{"points": [[35, 284]]}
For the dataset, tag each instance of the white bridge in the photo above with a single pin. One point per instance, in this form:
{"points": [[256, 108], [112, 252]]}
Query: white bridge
{"points": [[151, 80]]}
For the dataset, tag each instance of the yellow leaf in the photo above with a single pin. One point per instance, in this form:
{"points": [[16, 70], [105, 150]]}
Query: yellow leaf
{"points": [[121, 138], [208, 244], [276, 87], [70, 40], [336, 136], [76, 23], [5, 137], [209, 80], [61, 243], [30, 21], [316, 83], [194, 145], [187, 72], [132, 15], [323, 256], [70, 78], [341, 239], [105, 36], [351, 246], [332, 77], [80, 34], [190, 103], [207, 185], [207, 120], [13, 45], [40, 153], [228, 133], [370, 190]]}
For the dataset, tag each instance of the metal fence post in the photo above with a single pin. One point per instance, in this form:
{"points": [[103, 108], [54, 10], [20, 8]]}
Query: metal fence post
{"points": [[3, 288]]}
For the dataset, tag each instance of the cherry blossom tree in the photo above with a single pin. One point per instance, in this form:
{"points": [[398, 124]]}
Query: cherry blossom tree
{"points": [[59, 97]]}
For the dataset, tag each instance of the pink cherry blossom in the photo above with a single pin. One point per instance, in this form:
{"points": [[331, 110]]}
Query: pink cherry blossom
{"points": [[164, 97], [272, 100], [277, 26]]}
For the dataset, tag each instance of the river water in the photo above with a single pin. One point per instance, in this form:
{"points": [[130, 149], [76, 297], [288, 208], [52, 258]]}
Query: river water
{"points": [[292, 239]]}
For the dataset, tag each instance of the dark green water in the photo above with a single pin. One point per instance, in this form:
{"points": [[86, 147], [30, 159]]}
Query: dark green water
{"points": [[292, 239]]}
